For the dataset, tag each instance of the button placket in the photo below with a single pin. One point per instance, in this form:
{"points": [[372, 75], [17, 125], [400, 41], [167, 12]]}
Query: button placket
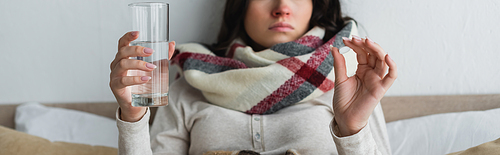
{"points": [[256, 134]]}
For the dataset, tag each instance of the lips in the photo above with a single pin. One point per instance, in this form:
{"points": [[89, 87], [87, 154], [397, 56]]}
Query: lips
{"points": [[281, 27]]}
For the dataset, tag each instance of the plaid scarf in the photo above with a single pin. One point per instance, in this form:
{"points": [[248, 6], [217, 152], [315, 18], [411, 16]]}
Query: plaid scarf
{"points": [[266, 81]]}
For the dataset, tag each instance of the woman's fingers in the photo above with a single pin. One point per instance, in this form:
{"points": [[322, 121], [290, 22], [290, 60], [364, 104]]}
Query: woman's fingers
{"points": [[377, 60], [369, 47], [372, 60], [361, 54], [130, 64], [171, 49], [381, 68], [127, 38], [374, 48], [339, 66], [122, 82], [392, 75], [374, 53], [125, 51], [131, 51], [371, 54]]}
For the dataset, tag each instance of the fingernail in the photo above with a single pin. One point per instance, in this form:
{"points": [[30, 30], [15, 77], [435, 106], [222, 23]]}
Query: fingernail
{"points": [[145, 78], [369, 40], [346, 39], [356, 38], [148, 65], [389, 57], [331, 48], [134, 33], [174, 42], [148, 50]]}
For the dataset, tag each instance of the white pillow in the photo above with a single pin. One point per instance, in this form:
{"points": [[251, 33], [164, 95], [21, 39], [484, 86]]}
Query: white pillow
{"points": [[444, 133], [59, 124]]}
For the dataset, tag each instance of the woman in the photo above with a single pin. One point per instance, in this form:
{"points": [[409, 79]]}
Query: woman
{"points": [[264, 97]]}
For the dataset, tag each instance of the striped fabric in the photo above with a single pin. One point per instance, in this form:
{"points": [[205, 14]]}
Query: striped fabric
{"points": [[266, 81]]}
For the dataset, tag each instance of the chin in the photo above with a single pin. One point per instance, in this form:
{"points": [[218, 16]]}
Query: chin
{"points": [[270, 39], [281, 39]]}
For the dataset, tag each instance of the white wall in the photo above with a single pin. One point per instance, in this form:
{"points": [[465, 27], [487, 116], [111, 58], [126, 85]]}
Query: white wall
{"points": [[59, 51], [441, 46]]}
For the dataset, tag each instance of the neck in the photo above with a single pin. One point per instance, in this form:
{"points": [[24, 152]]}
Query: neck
{"points": [[256, 47]]}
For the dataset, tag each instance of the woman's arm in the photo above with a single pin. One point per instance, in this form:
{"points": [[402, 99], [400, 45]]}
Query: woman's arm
{"points": [[119, 81], [132, 121], [169, 132], [372, 139], [356, 97], [133, 137]]}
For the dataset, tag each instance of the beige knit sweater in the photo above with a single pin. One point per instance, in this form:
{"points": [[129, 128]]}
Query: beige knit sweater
{"points": [[190, 125]]}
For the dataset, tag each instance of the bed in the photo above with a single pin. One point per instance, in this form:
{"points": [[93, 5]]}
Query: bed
{"points": [[416, 125]]}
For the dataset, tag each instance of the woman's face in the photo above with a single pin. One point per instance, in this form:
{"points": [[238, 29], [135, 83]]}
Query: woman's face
{"points": [[269, 22]]}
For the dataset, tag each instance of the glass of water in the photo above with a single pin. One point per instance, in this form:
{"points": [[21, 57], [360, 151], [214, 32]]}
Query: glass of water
{"points": [[151, 20]]}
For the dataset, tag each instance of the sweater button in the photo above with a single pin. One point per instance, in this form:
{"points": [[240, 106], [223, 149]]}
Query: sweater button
{"points": [[256, 119], [257, 136]]}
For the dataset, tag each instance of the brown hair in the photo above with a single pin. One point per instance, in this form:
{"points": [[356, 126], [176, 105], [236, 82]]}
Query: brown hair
{"points": [[326, 14]]}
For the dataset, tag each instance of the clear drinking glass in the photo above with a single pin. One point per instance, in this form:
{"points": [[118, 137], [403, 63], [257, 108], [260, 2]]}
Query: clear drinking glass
{"points": [[151, 20]]}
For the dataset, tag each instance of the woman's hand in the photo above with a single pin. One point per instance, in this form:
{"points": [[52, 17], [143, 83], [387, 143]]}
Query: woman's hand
{"points": [[355, 97], [119, 81]]}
